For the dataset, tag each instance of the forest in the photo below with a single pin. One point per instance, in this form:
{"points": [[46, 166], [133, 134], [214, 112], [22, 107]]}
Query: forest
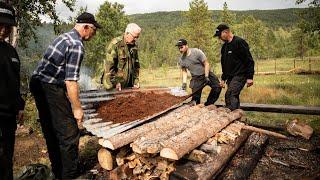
{"points": [[270, 34]]}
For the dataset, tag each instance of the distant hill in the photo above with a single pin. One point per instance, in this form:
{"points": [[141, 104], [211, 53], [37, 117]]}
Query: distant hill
{"points": [[284, 18]]}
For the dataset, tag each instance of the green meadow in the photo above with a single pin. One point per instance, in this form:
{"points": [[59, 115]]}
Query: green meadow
{"points": [[288, 86]]}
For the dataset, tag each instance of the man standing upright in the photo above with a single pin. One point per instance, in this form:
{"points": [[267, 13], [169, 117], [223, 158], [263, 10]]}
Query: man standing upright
{"points": [[11, 103], [56, 91], [237, 65], [121, 66], [197, 63]]}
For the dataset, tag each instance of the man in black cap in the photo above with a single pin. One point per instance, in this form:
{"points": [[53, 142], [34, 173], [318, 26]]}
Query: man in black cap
{"points": [[197, 63], [56, 91], [11, 104], [237, 65]]}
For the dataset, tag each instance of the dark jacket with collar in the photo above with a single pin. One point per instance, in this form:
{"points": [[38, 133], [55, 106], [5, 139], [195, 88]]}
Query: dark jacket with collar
{"points": [[10, 98]]}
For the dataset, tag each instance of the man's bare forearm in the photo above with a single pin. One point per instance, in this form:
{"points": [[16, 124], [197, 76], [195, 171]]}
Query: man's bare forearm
{"points": [[206, 68], [73, 94]]}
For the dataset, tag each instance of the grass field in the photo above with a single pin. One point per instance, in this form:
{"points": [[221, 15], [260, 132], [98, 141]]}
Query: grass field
{"points": [[282, 89]]}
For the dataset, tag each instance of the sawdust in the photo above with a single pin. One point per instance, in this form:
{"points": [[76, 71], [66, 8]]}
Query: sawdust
{"points": [[136, 106]]}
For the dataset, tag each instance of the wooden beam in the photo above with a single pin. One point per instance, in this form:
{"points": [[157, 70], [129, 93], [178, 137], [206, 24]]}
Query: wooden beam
{"points": [[309, 110], [177, 146], [212, 165], [246, 159]]}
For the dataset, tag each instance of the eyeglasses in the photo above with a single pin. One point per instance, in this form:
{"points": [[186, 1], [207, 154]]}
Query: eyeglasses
{"points": [[180, 47], [92, 27], [134, 37]]}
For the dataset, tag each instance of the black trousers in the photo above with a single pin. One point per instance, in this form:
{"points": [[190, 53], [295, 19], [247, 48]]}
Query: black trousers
{"points": [[196, 83], [59, 128], [235, 85], [8, 128]]}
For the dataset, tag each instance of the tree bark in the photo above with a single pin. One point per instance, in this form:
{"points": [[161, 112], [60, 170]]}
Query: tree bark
{"points": [[129, 136], [214, 163], [149, 143], [196, 156], [246, 159], [179, 145]]}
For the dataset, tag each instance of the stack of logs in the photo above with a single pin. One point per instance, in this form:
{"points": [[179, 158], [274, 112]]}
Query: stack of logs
{"points": [[152, 150]]}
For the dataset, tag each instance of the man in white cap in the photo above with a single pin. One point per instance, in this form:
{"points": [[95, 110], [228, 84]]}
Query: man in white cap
{"points": [[11, 104], [56, 91], [121, 65]]}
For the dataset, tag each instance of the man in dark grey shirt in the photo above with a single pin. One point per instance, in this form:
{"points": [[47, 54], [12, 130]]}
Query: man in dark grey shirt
{"points": [[197, 63]]}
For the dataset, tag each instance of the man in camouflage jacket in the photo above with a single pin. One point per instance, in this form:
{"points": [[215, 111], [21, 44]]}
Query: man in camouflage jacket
{"points": [[121, 65]]}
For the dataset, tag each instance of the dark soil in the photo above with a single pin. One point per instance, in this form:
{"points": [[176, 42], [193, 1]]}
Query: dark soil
{"points": [[290, 159], [136, 106], [29, 149]]}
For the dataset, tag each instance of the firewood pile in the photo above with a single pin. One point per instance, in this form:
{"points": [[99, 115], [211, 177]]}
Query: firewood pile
{"points": [[204, 137]]}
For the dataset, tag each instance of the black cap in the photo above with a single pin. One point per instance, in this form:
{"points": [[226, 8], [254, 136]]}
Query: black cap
{"points": [[88, 18], [182, 42], [219, 29], [7, 15]]}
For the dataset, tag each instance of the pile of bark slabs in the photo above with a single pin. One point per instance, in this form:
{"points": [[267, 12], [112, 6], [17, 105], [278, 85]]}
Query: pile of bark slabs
{"points": [[187, 134]]}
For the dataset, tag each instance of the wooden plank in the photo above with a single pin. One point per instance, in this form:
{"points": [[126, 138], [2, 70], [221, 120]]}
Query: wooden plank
{"points": [[213, 164], [310, 110], [178, 146], [246, 159]]}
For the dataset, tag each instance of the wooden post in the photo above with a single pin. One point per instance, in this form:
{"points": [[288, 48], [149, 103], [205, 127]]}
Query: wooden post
{"points": [[309, 64], [275, 65]]}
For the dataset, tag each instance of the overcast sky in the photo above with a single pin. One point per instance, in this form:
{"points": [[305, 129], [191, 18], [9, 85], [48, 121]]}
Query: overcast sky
{"points": [[146, 6]]}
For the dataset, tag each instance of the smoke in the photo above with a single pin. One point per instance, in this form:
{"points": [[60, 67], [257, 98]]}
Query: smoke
{"points": [[86, 82]]}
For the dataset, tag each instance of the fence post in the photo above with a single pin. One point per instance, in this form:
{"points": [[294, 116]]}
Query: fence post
{"points": [[309, 64], [275, 65]]}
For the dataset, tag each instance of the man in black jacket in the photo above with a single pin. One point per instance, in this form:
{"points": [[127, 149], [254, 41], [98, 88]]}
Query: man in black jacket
{"points": [[237, 65], [11, 103]]}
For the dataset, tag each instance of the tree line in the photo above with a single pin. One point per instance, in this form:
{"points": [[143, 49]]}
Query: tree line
{"points": [[270, 33]]}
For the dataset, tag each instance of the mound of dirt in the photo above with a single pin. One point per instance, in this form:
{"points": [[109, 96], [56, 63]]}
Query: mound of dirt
{"points": [[136, 106]]}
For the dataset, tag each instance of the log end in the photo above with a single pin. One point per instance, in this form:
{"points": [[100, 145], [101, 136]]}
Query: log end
{"points": [[169, 153], [107, 144], [135, 148], [153, 150], [105, 159]]}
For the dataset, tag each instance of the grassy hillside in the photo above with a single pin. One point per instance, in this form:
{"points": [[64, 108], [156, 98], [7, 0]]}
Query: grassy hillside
{"points": [[284, 18]]}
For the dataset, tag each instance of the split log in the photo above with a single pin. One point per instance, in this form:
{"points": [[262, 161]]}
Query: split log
{"points": [[179, 145], [150, 142], [121, 155], [246, 159], [105, 159], [258, 130], [196, 156], [298, 128], [214, 163], [129, 136]]}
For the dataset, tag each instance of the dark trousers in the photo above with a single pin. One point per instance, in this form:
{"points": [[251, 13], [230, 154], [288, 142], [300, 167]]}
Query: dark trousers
{"points": [[7, 138], [59, 128], [198, 81], [235, 85]]}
